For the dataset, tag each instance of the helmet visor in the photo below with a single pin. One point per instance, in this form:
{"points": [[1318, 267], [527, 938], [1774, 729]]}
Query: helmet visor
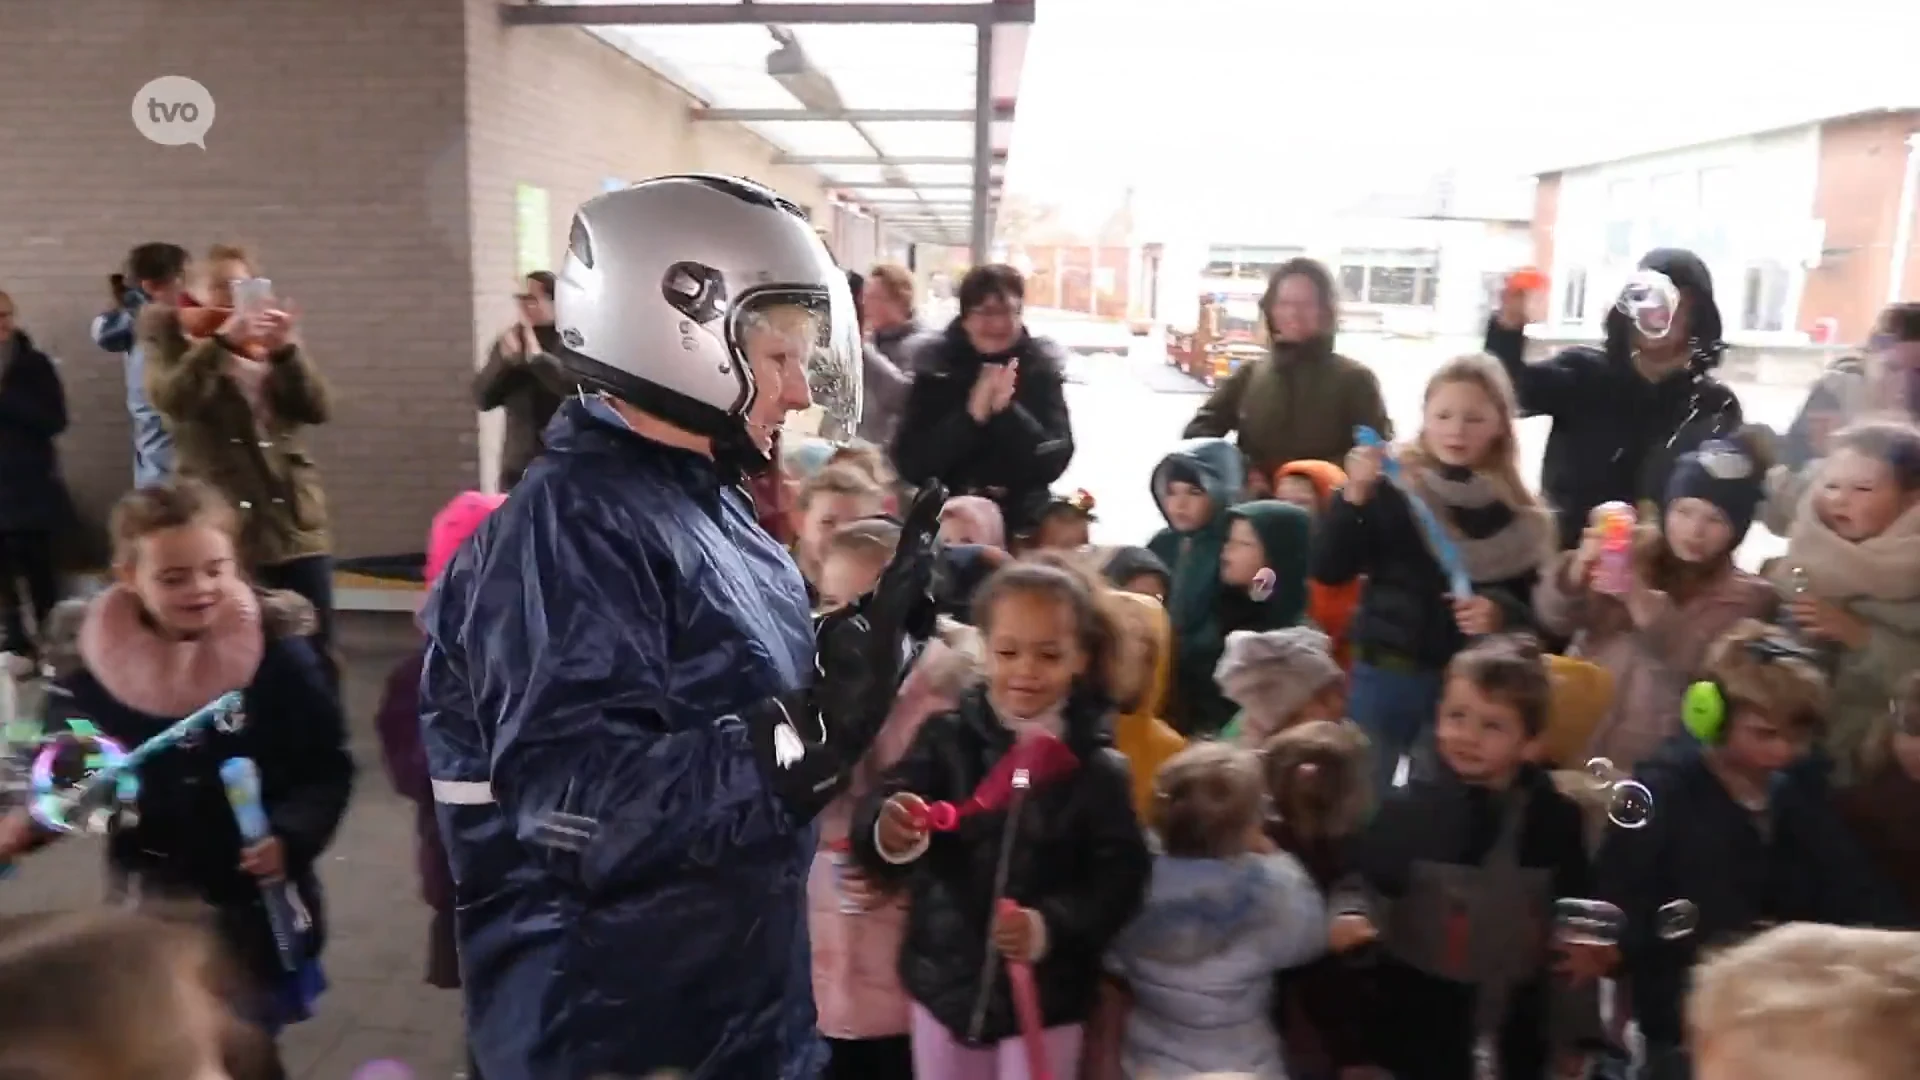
{"points": [[1650, 300], [811, 330]]}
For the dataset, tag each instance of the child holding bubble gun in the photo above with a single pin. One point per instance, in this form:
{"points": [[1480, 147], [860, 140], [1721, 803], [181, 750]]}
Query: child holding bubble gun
{"points": [[1451, 543], [179, 628], [1733, 839], [1645, 601]]}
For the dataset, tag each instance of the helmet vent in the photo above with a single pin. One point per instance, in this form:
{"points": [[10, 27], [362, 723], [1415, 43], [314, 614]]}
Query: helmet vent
{"points": [[580, 242], [695, 290]]}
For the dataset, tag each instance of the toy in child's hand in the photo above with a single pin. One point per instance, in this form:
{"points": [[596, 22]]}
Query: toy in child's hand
{"points": [[1026, 1006], [1526, 279], [1441, 543], [1042, 757], [1613, 570], [108, 778]]}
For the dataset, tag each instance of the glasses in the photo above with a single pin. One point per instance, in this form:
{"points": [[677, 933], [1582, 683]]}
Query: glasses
{"points": [[996, 312]]}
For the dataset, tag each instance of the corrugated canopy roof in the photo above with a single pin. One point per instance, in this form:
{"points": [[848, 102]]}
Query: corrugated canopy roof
{"points": [[914, 173]]}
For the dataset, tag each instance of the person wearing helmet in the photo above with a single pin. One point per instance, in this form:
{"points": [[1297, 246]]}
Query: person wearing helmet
{"points": [[630, 716]]}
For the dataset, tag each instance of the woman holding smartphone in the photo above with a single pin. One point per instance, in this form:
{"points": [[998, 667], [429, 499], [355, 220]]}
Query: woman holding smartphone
{"points": [[237, 391]]}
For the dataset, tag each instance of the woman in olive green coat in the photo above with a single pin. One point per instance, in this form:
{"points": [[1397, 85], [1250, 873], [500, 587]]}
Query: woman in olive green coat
{"points": [[237, 403]]}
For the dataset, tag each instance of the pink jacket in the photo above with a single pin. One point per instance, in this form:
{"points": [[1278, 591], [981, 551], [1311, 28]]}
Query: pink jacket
{"points": [[856, 987], [1651, 667]]}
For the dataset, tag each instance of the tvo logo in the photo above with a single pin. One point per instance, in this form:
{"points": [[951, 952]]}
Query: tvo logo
{"points": [[174, 110]]}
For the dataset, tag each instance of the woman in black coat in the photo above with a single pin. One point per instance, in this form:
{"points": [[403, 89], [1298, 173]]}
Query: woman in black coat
{"points": [[986, 413], [33, 500]]}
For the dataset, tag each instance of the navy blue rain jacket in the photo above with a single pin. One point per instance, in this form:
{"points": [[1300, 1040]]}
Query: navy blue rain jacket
{"points": [[588, 650]]}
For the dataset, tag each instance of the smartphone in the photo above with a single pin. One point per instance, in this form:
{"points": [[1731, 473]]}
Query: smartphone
{"points": [[251, 296]]}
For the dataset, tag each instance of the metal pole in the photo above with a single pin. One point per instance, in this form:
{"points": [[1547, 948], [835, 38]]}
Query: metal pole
{"points": [[1903, 224], [983, 112]]}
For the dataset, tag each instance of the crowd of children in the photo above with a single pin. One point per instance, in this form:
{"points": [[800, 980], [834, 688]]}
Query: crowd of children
{"points": [[1291, 790], [1370, 836]]}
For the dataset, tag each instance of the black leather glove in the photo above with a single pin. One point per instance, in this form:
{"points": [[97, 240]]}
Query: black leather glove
{"points": [[808, 742]]}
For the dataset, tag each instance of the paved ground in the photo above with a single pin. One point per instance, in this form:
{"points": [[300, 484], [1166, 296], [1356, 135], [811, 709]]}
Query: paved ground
{"points": [[1128, 409]]}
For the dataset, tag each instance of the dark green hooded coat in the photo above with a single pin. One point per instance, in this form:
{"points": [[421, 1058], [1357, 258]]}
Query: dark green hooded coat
{"points": [[1286, 534], [1194, 558]]}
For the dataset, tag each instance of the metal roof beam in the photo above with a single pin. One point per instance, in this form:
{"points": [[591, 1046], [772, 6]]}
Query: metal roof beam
{"points": [[890, 185], [999, 12], [1000, 157], [848, 116]]}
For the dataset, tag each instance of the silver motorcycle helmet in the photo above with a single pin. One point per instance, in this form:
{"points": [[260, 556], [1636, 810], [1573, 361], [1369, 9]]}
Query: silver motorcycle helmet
{"points": [[667, 282]]}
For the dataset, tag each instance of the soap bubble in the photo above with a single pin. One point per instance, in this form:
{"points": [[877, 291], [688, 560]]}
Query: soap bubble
{"points": [[1630, 804], [1603, 771], [1587, 922], [1676, 919]]}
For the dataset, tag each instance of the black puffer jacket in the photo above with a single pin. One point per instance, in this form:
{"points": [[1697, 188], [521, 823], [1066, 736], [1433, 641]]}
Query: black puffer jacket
{"points": [[1737, 877], [1615, 435], [1014, 455], [1404, 609], [1079, 858]]}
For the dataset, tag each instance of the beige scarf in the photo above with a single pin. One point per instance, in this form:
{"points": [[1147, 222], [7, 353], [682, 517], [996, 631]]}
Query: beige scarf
{"points": [[1884, 567]]}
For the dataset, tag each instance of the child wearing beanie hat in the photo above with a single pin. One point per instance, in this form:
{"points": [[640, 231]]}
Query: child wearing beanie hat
{"points": [[1279, 679], [1686, 594]]}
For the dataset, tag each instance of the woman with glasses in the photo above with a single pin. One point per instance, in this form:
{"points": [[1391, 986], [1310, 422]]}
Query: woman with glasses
{"points": [[986, 413], [523, 376], [1886, 379]]}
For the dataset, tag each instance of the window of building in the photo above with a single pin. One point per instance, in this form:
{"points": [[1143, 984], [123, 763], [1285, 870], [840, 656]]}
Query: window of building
{"points": [[1573, 301], [1765, 304], [1718, 208], [1390, 278], [1675, 201], [1622, 195]]}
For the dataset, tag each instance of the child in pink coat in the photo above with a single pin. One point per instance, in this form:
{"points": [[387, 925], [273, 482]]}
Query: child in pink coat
{"points": [[855, 929]]}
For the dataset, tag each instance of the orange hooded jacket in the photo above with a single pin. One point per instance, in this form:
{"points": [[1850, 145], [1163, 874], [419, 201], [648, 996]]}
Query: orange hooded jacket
{"points": [[1330, 606]]}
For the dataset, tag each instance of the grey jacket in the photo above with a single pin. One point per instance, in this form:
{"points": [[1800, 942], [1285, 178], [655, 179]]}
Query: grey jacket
{"points": [[887, 372], [1200, 959]]}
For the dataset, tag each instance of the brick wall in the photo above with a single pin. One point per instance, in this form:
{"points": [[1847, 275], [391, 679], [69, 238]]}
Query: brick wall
{"points": [[1862, 163], [368, 152], [1546, 214]]}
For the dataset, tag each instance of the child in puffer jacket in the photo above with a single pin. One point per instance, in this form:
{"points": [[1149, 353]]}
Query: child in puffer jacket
{"points": [[1224, 912], [1144, 655], [1852, 572], [855, 927], [1686, 594]]}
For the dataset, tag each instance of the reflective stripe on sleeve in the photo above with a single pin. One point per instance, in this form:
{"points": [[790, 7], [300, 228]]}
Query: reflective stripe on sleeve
{"points": [[463, 792]]}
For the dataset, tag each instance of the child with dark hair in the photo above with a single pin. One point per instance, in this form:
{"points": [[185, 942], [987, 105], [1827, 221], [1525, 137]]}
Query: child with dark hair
{"points": [[1079, 861], [1066, 521], [1456, 878], [1138, 570], [1224, 912], [1738, 839]]}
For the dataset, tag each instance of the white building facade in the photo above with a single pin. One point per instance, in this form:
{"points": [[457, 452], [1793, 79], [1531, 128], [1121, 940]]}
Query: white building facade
{"points": [[1746, 206]]}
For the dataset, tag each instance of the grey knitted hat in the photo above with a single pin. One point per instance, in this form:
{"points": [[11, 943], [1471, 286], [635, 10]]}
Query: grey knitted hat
{"points": [[1277, 672]]}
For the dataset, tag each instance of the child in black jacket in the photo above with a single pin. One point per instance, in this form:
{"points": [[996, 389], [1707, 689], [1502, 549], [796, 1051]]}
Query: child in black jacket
{"points": [[1739, 839], [1461, 470], [1457, 879], [1077, 865], [178, 630]]}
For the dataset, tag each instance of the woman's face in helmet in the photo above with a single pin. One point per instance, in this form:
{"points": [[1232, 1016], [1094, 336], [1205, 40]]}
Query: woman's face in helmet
{"points": [[779, 342]]}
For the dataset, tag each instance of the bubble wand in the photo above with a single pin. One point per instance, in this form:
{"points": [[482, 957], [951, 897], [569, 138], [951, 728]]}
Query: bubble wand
{"points": [[1445, 551], [53, 806]]}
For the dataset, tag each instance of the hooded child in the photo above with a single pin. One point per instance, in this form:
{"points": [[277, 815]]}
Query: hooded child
{"points": [[1142, 671], [1685, 594], [1312, 486], [1194, 486], [1225, 911], [1852, 575], [1138, 570], [1279, 679]]}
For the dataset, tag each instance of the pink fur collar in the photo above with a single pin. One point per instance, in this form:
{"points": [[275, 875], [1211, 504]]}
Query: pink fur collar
{"points": [[162, 677]]}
